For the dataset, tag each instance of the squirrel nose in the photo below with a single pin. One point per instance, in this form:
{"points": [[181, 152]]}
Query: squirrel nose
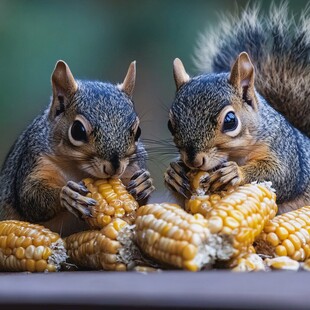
{"points": [[113, 166], [108, 169], [195, 161]]}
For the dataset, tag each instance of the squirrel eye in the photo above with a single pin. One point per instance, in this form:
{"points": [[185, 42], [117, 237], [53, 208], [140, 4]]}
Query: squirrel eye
{"points": [[230, 122], [170, 127], [77, 133], [138, 134]]}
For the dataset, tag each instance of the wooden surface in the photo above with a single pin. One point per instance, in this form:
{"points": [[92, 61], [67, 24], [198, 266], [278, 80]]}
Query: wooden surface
{"points": [[165, 290]]}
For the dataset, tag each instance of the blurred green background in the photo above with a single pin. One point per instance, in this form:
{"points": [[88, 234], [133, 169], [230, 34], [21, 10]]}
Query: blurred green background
{"points": [[98, 39]]}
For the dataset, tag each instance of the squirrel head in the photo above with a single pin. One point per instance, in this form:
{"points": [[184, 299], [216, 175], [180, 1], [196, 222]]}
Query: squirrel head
{"points": [[93, 124], [214, 116]]}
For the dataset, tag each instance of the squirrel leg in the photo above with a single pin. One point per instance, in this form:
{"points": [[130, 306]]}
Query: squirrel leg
{"points": [[176, 178], [228, 175], [141, 184], [72, 197]]}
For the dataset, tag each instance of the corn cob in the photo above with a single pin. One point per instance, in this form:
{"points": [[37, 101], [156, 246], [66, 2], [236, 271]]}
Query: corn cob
{"points": [[287, 234], [110, 248], [29, 247], [113, 202], [240, 213], [168, 234]]}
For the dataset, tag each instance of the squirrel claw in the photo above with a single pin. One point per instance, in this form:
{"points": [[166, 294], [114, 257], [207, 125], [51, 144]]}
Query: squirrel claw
{"points": [[175, 177], [141, 185], [227, 176], [72, 198], [146, 193]]}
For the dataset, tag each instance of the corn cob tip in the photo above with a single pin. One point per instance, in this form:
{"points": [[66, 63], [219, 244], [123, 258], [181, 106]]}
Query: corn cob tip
{"points": [[59, 254]]}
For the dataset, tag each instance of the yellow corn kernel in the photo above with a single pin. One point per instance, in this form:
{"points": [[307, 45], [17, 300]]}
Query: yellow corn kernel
{"points": [[170, 235], [293, 233], [195, 178], [199, 204], [248, 262], [110, 248], [113, 202], [243, 218], [283, 262], [306, 265], [29, 247]]}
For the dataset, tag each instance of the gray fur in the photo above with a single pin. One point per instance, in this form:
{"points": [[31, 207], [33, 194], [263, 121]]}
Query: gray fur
{"points": [[279, 47], [195, 111], [111, 114]]}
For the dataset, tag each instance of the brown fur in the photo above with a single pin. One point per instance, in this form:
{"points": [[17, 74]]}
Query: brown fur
{"points": [[48, 170]]}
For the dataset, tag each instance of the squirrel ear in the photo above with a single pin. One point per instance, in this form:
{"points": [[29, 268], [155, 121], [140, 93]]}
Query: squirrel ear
{"points": [[64, 86], [129, 82], [62, 80], [179, 73], [242, 78]]}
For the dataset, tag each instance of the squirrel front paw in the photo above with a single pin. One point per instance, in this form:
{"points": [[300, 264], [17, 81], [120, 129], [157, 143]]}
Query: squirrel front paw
{"points": [[228, 175], [141, 185], [72, 197], [176, 178]]}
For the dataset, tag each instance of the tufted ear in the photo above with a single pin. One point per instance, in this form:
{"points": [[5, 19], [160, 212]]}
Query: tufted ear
{"points": [[64, 86], [179, 73], [129, 82], [242, 78]]}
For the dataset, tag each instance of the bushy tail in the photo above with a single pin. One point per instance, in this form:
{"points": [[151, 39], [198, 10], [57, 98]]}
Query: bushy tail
{"points": [[279, 46]]}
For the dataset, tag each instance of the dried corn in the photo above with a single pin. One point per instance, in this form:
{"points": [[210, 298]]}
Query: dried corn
{"points": [[113, 202], [306, 265], [283, 263], [249, 262], [287, 234], [110, 248], [242, 214], [170, 235], [29, 247]]}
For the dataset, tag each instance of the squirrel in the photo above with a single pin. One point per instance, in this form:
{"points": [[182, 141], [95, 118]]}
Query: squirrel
{"points": [[247, 117], [89, 129]]}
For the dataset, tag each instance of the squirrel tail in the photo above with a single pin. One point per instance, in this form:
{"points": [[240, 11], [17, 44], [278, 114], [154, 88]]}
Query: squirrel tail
{"points": [[279, 46]]}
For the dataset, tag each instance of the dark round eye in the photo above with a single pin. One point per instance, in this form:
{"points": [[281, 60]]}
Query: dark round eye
{"points": [[78, 131], [170, 127], [230, 122], [138, 134]]}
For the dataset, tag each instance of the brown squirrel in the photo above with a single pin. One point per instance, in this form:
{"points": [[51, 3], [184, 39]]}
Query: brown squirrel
{"points": [[248, 118], [90, 129]]}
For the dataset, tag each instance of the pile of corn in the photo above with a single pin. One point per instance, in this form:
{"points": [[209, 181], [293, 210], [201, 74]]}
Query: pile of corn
{"points": [[218, 228]]}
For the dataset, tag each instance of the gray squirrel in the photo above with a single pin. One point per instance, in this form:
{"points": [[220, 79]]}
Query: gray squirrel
{"points": [[247, 117], [90, 129]]}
